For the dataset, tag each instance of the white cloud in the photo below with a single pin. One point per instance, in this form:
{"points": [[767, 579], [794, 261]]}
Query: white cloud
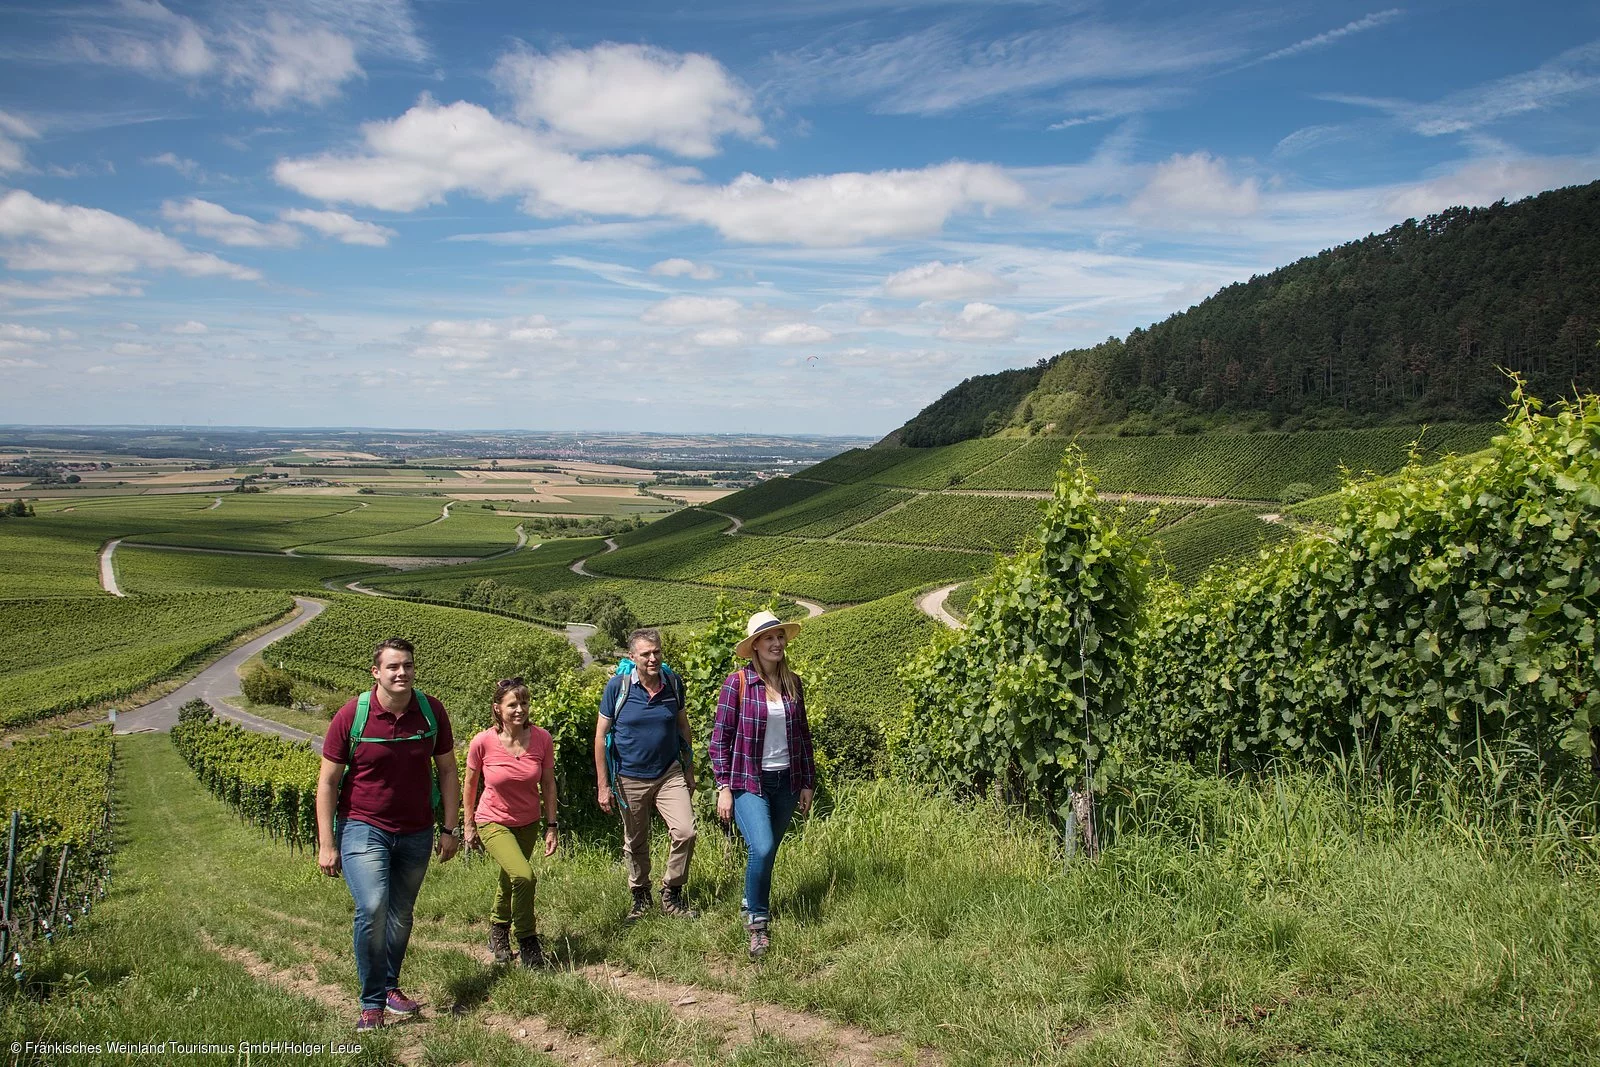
{"points": [[1574, 74], [1322, 40], [524, 328], [1109, 102], [433, 150], [280, 52], [19, 363], [132, 348], [218, 223], [13, 129], [684, 268], [191, 327], [1483, 182], [349, 230], [1195, 188], [796, 333], [718, 337], [982, 322], [691, 310], [621, 95], [285, 61], [186, 167], [942, 68], [44, 235], [939, 281], [14, 333]]}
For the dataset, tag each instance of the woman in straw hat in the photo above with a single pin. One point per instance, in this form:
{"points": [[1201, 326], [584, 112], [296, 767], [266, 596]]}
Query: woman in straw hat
{"points": [[761, 758]]}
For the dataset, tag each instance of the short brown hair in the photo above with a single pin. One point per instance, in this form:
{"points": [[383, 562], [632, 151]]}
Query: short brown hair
{"points": [[503, 688], [644, 633], [396, 644]]}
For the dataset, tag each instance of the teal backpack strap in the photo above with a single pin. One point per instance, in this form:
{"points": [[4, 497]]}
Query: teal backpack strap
{"points": [[358, 729], [613, 764]]}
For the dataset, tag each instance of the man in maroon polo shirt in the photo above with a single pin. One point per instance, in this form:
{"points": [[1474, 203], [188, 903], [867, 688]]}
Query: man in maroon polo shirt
{"points": [[380, 786]]}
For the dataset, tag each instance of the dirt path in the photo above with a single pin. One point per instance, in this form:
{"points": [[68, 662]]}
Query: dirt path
{"points": [[1141, 498], [932, 604], [738, 523], [108, 570], [219, 680], [813, 609], [578, 564]]}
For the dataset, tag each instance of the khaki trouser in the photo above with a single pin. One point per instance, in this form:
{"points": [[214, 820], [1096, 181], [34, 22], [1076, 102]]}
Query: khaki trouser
{"points": [[670, 796], [512, 848]]}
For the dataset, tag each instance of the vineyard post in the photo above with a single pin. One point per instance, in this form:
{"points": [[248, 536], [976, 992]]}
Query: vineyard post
{"points": [[5, 914], [61, 875]]}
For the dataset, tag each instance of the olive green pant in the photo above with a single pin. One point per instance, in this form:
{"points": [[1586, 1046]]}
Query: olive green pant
{"points": [[512, 848]]}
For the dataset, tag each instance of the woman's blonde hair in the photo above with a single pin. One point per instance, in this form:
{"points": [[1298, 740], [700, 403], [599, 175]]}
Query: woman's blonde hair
{"points": [[788, 682]]}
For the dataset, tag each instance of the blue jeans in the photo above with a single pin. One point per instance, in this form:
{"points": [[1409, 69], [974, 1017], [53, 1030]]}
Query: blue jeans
{"points": [[763, 818], [384, 872]]}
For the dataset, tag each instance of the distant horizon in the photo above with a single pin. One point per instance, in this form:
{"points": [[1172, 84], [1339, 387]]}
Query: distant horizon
{"points": [[794, 219], [421, 429]]}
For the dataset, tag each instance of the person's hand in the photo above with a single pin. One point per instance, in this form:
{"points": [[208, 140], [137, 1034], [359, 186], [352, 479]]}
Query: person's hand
{"points": [[551, 839], [688, 779], [470, 838], [724, 804], [606, 802], [448, 846], [328, 860], [805, 800]]}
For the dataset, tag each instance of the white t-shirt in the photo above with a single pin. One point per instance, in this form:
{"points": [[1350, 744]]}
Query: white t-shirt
{"points": [[775, 745]]}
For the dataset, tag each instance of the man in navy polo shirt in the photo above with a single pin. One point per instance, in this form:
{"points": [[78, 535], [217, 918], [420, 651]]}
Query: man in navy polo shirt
{"points": [[380, 785], [651, 736]]}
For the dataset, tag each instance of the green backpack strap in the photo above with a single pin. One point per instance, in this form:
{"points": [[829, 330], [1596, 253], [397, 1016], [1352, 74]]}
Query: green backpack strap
{"points": [[358, 728]]}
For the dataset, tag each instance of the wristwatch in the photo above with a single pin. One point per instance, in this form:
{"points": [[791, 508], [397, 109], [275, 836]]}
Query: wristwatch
{"points": [[452, 831]]}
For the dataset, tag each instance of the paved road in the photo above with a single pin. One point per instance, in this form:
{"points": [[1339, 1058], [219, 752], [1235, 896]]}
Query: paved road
{"points": [[933, 604], [219, 680], [108, 571]]}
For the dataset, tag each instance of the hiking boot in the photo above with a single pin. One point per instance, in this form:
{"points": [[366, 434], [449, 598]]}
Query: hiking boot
{"points": [[500, 942], [397, 1003], [673, 904], [759, 941], [641, 904], [531, 952], [369, 1019]]}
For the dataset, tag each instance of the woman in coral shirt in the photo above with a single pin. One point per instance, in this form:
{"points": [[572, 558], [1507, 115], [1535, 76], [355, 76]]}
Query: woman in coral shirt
{"points": [[514, 764]]}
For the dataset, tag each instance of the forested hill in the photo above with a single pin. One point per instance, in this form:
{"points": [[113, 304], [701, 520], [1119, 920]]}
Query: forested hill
{"points": [[1408, 325]]}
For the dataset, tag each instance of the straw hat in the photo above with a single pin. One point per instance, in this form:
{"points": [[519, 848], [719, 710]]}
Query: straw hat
{"points": [[762, 622]]}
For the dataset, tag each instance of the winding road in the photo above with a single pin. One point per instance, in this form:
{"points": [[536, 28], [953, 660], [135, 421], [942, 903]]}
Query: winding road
{"points": [[932, 604], [219, 680]]}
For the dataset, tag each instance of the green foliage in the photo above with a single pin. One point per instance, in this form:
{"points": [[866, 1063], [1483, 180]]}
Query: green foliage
{"points": [[941, 468], [676, 523], [863, 647], [153, 570], [460, 653], [268, 781], [996, 523], [856, 465], [771, 495], [1444, 609], [64, 653], [837, 572], [974, 408], [17, 509], [1027, 696], [1227, 532], [265, 684], [827, 513]]}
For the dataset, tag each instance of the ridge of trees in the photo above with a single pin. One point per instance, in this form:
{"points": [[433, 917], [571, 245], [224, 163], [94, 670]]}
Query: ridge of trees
{"points": [[1415, 323]]}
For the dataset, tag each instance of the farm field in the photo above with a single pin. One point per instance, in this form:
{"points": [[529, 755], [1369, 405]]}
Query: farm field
{"points": [[157, 570], [1216, 535], [66, 653], [995, 523]]}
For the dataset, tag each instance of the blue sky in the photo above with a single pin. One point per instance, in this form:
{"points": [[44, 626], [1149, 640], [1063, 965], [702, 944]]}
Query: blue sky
{"points": [[714, 217]]}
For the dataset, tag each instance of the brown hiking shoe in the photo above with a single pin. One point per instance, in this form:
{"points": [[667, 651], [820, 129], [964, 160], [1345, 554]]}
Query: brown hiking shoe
{"points": [[641, 904], [673, 904], [500, 942], [530, 951]]}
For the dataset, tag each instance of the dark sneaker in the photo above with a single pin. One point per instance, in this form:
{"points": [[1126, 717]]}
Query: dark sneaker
{"points": [[759, 941], [531, 952], [369, 1019], [397, 1003], [500, 942], [641, 904], [673, 904]]}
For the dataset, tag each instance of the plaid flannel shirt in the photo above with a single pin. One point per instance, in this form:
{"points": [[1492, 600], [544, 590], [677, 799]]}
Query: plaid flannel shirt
{"points": [[738, 733]]}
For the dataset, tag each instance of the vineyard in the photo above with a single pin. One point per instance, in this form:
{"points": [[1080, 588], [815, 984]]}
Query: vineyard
{"points": [[841, 572], [269, 782], [1215, 535], [827, 513], [155, 570], [856, 465], [942, 468], [55, 790], [459, 654], [64, 654], [995, 523], [771, 495], [467, 532]]}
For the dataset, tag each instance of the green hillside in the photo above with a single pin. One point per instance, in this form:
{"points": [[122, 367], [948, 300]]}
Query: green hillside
{"points": [[1412, 324]]}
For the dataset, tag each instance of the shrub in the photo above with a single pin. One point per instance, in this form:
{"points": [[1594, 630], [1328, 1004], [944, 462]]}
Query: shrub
{"points": [[263, 684]]}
